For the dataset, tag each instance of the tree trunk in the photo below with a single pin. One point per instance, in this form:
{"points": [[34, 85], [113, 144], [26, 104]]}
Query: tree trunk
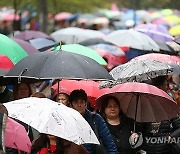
{"points": [[43, 15]]}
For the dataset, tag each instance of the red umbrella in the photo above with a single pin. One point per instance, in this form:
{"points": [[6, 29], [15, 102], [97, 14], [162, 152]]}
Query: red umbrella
{"points": [[143, 102], [5, 64], [16, 136], [91, 88]]}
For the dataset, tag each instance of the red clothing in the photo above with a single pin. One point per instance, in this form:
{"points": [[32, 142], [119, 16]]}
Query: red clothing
{"points": [[51, 150]]}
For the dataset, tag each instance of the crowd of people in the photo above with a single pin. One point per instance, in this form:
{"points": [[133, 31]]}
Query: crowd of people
{"points": [[112, 127]]}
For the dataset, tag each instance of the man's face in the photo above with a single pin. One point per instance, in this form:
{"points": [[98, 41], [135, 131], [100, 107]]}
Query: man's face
{"points": [[79, 105]]}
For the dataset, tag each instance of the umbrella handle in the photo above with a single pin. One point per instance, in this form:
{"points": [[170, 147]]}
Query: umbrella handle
{"points": [[137, 100], [22, 72]]}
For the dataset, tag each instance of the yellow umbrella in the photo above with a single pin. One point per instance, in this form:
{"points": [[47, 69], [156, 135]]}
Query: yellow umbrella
{"points": [[175, 30], [173, 18]]}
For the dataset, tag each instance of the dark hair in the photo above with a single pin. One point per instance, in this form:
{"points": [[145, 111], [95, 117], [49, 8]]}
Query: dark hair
{"points": [[43, 141], [78, 94], [105, 103], [38, 94], [158, 81], [16, 88]]}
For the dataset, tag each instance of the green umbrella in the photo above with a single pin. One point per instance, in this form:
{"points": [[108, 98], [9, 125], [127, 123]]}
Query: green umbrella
{"points": [[82, 50], [11, 49]]}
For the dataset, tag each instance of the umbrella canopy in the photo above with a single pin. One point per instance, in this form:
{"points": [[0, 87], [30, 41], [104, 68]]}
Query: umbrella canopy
{"points": [[26, 46], [11, 49], [114, 54], [62, 16], [49, 117], [82, 50], [75, 35], [10, 17], [160, 57], [57, 65], [173, 61], [165, 48], [143, 102], [138, 71], [16, 136], [31, 34], [40, 43], [175, 31], [91, 87], [132, 39], [156, 32], [94, 41], [5, 64], [177, 40]]}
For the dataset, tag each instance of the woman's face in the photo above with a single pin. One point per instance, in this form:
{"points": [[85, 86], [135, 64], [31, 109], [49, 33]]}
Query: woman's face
{"points": [[51, 137], [23, 91], [62, 98], [112, 110]]}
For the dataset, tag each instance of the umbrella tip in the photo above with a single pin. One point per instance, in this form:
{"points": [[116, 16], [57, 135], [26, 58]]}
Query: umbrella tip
{"points": [[60, 45]]}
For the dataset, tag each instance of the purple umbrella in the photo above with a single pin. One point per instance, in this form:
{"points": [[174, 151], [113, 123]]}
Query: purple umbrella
{"points": [[31, 34], [26, 46], [156, 32]]}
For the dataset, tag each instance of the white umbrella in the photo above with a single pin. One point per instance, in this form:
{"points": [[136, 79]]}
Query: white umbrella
{"points": [[49, 117], [137, 71], [74, 35], [132, 39]]}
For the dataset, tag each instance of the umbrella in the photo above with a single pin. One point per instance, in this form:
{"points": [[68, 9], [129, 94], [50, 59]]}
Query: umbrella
{"points": [[10, 17], [11, 49], [132, 39], [5, 64], [26, 46], [31, 34], [175, 30], [57, 65], [177, 40], [75, 35], [114, 54], [156, 32], [82, 50], [62, 16], [165, 48], [173, 61], [40, 43], [143, 102], [94, 41], [160, 57], [16, 136], [91, 87], [49, 117], [138, 71]]}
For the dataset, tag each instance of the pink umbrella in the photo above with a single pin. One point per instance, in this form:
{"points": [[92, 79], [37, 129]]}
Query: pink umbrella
{"points": [[143, 102], [160, 57], [10, 17], [16, 136], [62, 16]]}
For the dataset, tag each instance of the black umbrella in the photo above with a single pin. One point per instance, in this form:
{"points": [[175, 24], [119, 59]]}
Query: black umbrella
{"points": [[56, 65]]}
